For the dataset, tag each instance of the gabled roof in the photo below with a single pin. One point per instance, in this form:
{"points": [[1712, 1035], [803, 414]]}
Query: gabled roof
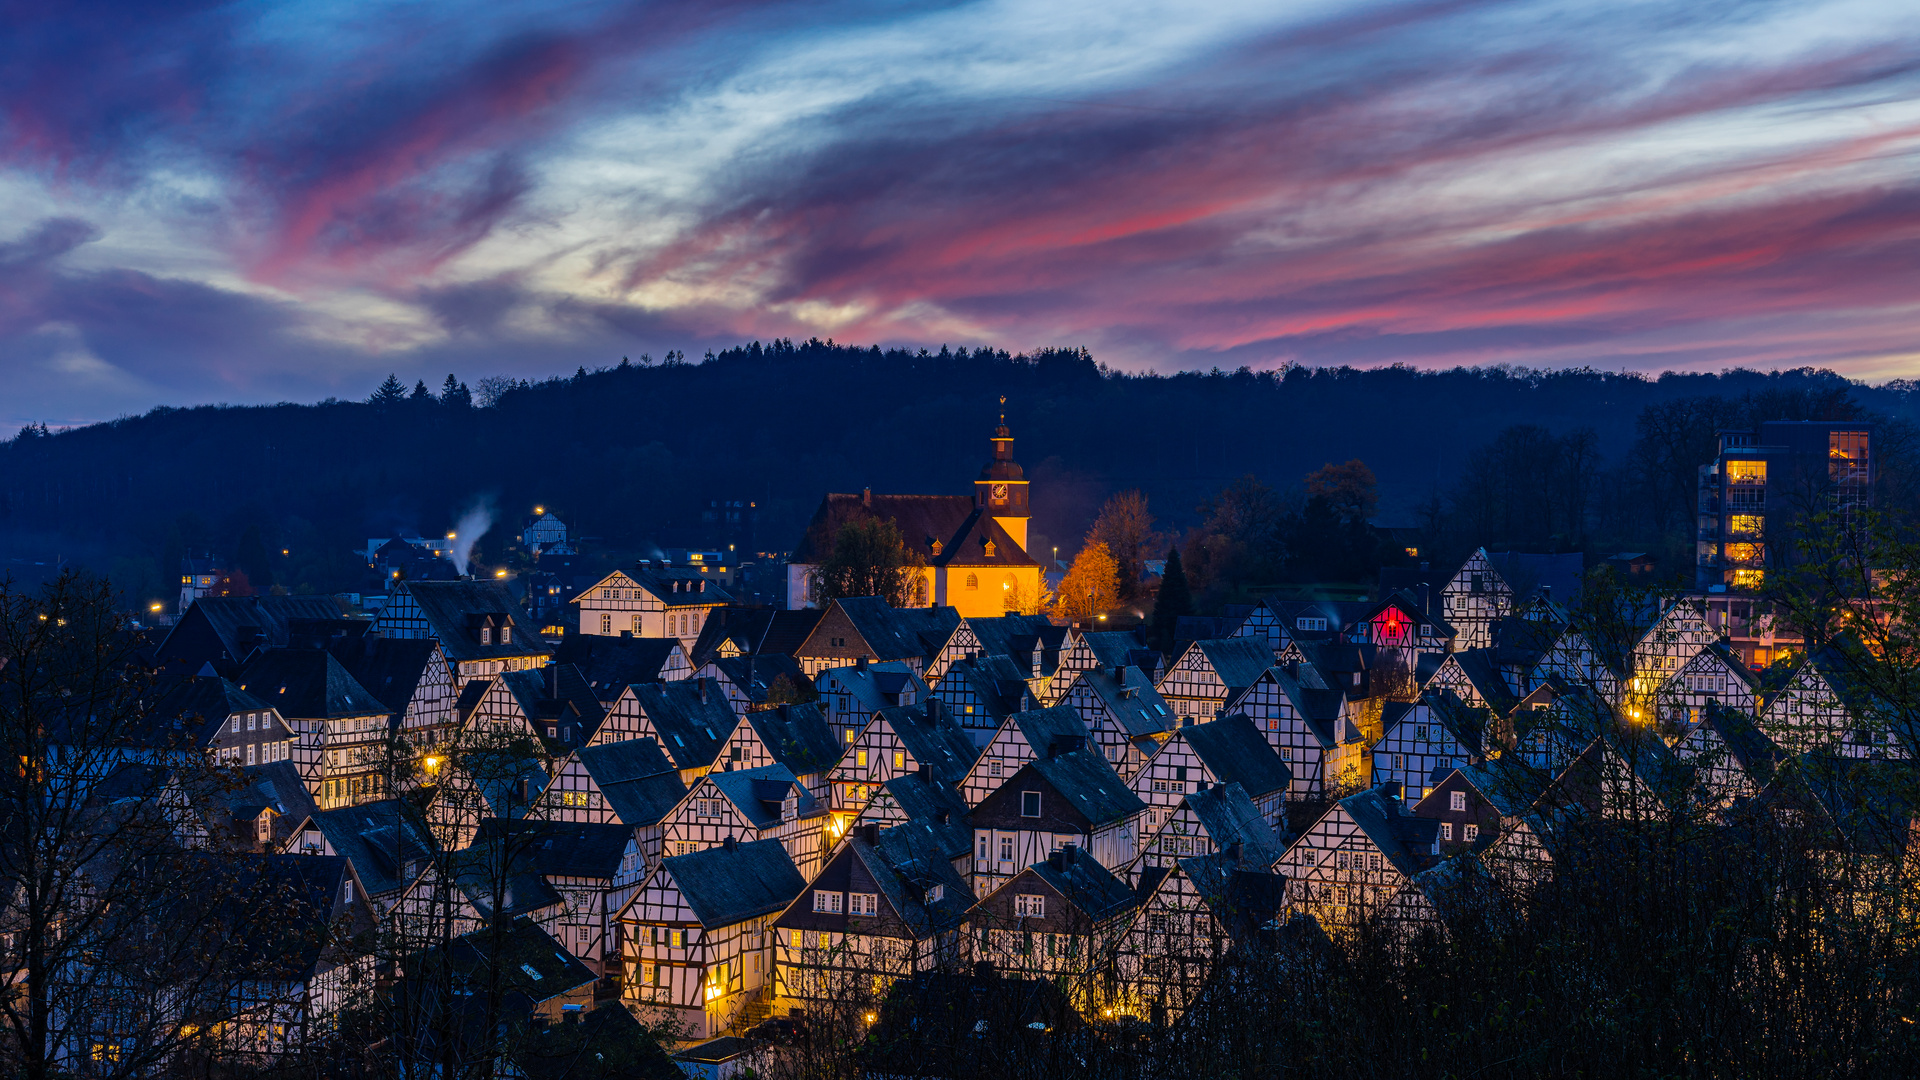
{"points": [[876, 686], [1409, 605], [578, 849], [611, 664], [1080, 879], [640, 785], [906, 862], [275, 786], [1752, 751], [680, 586], [1507, 782], [1018, 636], [1236, 753], [998, 682], [1045, 727], [1483, 674], [1466, 723], [1239, 662], [391, 669], [307, 898], [755, 675], [1558, 576], [1406, 841], [1241, 895], [385, 841], [521, 958], [798, 736], [692, 718], [1089, 785], [308, 684], [1112, 648], [1130, 698], [899, 633], [1317, 704], [1230, 817], [499, 878], [953, 521], [759, 792], [454, 610], [929, 801], [197, 705], [730, 883], [242, 623], [936, 741]]}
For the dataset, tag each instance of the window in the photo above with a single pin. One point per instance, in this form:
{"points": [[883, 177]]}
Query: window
{"points": [[236, 723], [993, 768], [798, 940], [1342, 859], [1746, 525], [828, 902], [1307, 856], [1399, 761], [1029, 905], [1446, 830], [1746, 472], [1472, 833], [1286, 753], [486, 635], [1029, 804], [899, 759], [1420, 731], [1006, 849], [936, 893], [249, 721], [863, 903], [862, 755], [636, 626], [250, 751], [973, 581], [606, 624], [1456, 800], [1373, 862], [983, 847], [1309, 623], [349, 892]]}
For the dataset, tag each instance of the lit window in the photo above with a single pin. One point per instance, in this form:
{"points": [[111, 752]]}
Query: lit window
{"points": [[1446, 830], [828, 902], [1471, 833], [1746, 524], [1746, 472], [899, 759], [973, 581]]}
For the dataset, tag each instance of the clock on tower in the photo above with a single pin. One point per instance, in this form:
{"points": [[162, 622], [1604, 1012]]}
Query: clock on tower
{"points": [[1002, 486]]}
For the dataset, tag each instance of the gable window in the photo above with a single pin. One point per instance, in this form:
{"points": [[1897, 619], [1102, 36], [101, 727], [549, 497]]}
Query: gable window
{"points": [[1446, 830], [1306, 622], [1471, 833], [1029, 804], [828, 902], [899, 759], [1456, 800], [973, 581], [1420, 732], [1029, 905], [863, 903], [862, 755]]}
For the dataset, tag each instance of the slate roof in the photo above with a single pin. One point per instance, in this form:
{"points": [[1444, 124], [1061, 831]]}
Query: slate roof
{"points": [[875, 686], [382, 838], [798, 737], [578, 849], [1466, 723], [936, 741], [1236, 753], [1408, 603], [692, 718], [754, 676], [1317, 704], [501, 878], [1483, 673], [307, 890], [908, 860], [1112, 647], [961, 528], [759, 792], [197, 705], [1751, 750], [899, 633], [1084, 883], [230, 617], [925, 800], [755, 631], [1507, 782], [1024, 638], [1242, 896], [640, 785], [1130, 699], [730, 883], [1043, 727], [611, 664], [998, 683], [1406, 841], [514, 952], [308, 684], [1089, 785], [675, 586], [1238, 662], [277, 786], [391, 669], [450, 607], [1230, 817]]}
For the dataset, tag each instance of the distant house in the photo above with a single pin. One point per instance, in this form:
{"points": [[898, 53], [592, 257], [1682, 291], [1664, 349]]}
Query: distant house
{"points": [[1305, 721], [1208, 674], [631, 783], [1422, 742], [651, 602], [1125, 715], [752, 682], [1358, 857], [1065, 795], [1213, 819], [897, 741], [611, 664], [339, 727], [865, 628], [226, 631], [1062, 918], [851, 695], [982, 691], [594, 869], [1107, 649], [1228, 751], [220, 717], [411, 678], [1022, 737], [763, 803], [692, 722]]}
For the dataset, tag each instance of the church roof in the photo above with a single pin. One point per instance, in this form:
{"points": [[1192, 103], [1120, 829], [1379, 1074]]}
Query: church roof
{"points": [[961, 529]]}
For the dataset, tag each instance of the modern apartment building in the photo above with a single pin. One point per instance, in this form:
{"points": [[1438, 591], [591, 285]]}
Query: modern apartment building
{"points": [[1763, 481]]}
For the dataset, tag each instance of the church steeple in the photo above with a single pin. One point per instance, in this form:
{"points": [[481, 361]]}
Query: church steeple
{"points": [[1002, 486]]}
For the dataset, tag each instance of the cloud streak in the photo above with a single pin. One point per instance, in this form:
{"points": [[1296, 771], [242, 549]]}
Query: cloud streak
{"points": [[242, 204]]}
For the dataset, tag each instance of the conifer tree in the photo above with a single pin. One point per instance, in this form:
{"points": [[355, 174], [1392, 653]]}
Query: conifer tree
{"points": [[390, 391], [420, 392], [1175, 600]]}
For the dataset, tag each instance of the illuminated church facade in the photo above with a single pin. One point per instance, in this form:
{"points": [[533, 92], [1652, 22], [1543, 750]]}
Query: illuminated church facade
{"points": [[974, 547]]}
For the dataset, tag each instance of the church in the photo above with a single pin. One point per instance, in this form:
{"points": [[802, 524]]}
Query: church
{"points": [[974, 547]]}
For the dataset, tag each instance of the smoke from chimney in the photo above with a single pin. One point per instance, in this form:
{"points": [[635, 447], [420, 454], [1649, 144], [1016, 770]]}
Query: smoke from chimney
{"points": [[472, 526]]}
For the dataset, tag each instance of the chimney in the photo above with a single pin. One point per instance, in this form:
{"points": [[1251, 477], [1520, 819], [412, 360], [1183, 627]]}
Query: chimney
{"points": [[1068, 852], [870, 832], [866, 498], [942, 816], [1546, 593], [860, 663], [702, 684], [1420, 591], [731, 843], [1057, 860], [1391, 789], [1063, 744], [926, 772]]}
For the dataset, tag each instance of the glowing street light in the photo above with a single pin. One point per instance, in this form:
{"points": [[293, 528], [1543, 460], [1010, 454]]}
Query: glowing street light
{"points": [[502, 572], [154, 606]]}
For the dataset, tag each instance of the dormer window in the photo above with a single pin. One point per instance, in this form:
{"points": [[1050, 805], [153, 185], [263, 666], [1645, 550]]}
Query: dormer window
{"points": [[506, 635], [936, 546], [486, 635], [988, 546]]}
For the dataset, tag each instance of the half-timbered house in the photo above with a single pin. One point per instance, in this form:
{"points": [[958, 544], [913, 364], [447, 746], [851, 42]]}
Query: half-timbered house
{"points": [[412, 678], [1189, 917], [1358, 856], [851, 695], [630, 783], [799, 737], [1063, 796], [1209, 674], [1473, 599], [691, 721], [1401, 633], [1713, 676], [751, 682], [1824, 707], [695, 941], [338, 727], [1472, 801], [1227, 751], [1423, 741], [1305, 721], [226, 631], [1085, 650], [1123, 712], [887, 904], [391, 850], [481, 628], [1732, 758], [1022, 737], [216, 715], [866, 628], [651, 602], [764, 803], [1032, 642], [1214, 819], [594, 868], [1063, 919], [611, 664], [982, 691], [898, 741]]}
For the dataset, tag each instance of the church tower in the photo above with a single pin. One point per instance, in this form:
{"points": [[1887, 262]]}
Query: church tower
{"points": [[1002, 487]]}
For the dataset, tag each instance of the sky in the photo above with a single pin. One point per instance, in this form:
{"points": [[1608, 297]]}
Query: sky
{"points": [[264, 201]]}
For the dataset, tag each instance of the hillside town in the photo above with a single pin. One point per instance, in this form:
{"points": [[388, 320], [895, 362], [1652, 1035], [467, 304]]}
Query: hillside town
{"points": [[642, 804]]}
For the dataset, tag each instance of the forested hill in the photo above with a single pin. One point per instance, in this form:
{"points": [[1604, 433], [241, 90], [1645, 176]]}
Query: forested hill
{"points": [[631, 454]]}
